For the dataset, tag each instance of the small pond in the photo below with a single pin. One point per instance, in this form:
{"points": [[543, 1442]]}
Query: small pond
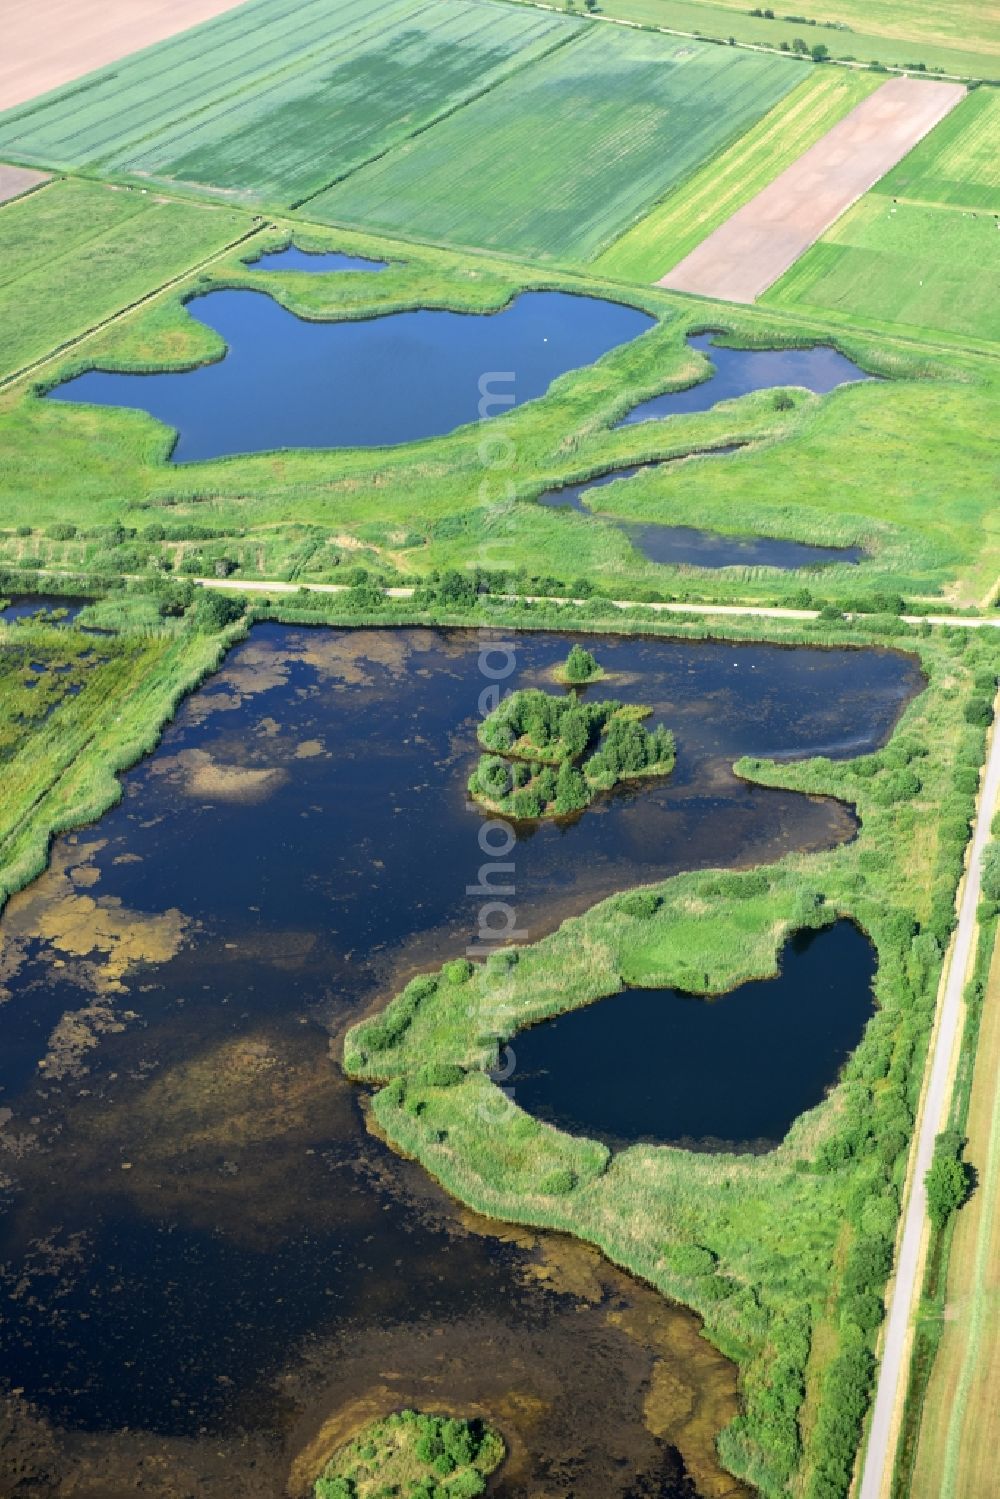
{"points": [[729, 1072], [28, 606], [737, 372], [205, 1256], [294, 259], [290, 383], [687, 546]]}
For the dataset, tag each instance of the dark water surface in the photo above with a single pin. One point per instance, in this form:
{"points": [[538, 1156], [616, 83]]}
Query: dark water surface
{"points": [[739, 371], [294, 259], [727, 1072], [686, 546], [29, 605], [207, 1262], [288, 383]]}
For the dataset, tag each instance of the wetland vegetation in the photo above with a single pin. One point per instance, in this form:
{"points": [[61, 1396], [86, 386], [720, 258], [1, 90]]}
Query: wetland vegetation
{"points": [[314, 1114]]}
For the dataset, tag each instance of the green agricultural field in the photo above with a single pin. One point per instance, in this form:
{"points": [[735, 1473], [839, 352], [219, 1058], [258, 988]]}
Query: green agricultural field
{"points": [[562, 157], [277, 99], [958, 164], [898, 35], [74, 253], [925, 269], [724, 184]]}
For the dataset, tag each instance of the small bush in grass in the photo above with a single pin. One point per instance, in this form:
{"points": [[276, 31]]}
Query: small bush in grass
{"points": [[558, 1182]]}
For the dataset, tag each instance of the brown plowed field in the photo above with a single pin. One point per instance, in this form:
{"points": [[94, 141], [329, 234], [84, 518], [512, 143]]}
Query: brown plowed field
{"points": [[17, 180], [50, 42], [741, 259]]}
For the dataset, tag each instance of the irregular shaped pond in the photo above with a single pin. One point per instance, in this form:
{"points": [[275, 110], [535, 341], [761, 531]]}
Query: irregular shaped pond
{"points": [[686, 546], [294, 259], [727, 1073], [739, 371], [204, 1246], [288, 383]]}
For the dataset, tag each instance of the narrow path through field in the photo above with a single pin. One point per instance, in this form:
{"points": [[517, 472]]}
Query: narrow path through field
{"points": [[878, 1464], [745, 255]]}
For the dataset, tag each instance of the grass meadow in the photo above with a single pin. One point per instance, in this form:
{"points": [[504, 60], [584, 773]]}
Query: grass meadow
{"points": [[75, 252], [714, 193], [958, 164], [567, 153], [276, 99], [926, 270]]}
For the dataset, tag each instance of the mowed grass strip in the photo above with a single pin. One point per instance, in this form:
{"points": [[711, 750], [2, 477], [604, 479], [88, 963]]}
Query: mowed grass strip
{"points": [[277, 100], [76, 252], [926, 269], [713, 194], [559, 159], [959, 162]]}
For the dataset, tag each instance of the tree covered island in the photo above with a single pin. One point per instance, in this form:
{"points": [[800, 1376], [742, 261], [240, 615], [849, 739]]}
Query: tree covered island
{"points": [[549, 756]]}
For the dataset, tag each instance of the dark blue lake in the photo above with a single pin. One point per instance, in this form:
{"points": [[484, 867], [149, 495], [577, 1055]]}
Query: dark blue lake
{"points": [[728, 1073], [687, 546], [288, 383], [739, 371], [294, 259]]}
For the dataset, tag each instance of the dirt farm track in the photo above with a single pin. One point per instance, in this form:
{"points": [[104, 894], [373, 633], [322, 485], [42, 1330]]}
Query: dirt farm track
{"points": [[50, 42], [746, 254]]}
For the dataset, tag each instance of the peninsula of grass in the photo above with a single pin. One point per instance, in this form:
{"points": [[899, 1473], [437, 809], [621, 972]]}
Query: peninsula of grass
{"points": [[416, 1455], [550, 756]]}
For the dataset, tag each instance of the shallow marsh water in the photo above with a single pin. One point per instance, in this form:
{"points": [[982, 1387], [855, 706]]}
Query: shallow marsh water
{"points": [[688, 1084], [687, 546], [737, 372], [209, 1269], [342, 383]]}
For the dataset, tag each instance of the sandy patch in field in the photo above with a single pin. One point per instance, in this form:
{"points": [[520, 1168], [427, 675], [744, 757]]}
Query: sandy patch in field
{"points": [[746, 254], [50, 42], [17, 180]]}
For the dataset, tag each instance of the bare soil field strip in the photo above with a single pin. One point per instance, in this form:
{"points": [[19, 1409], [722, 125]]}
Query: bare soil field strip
{"points": [[17, 180], [47, 43], [746, 254]]}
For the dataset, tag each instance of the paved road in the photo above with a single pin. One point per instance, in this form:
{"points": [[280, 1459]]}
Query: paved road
{"points": [[879, 1458]]}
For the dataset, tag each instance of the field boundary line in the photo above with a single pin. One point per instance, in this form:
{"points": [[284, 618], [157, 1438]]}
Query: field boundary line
{"points": [[878, 1460], [698, 36], [30, 369]]}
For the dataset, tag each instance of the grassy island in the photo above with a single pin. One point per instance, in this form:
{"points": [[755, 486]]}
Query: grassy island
{"points": [[549, 756], [423, 1457]]}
